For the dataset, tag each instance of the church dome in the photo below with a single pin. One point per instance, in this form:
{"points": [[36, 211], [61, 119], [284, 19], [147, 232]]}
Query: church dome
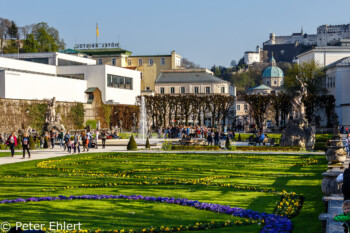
{"points": [[273, 72]]}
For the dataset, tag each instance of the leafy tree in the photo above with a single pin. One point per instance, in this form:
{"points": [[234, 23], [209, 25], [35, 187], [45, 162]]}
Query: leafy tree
{"points": [[308, 72], [47, 38], [233, 63], [107, 112], [258, 105], [281, 104], [4, 25], [187, 64], [30, 44], [12, 31], [77, 115]]}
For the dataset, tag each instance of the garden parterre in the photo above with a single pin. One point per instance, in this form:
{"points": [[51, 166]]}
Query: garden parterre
{"points": [[254, 182]]}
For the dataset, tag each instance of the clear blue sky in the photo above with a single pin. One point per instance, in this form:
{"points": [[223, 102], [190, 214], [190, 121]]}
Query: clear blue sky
{"points": [[207, 32]]}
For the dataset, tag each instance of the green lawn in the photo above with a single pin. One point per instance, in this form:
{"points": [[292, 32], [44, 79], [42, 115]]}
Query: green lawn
{"points": [[234, 180], [8, 154]]}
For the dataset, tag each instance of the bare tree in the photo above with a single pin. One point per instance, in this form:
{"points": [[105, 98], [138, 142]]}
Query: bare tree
{"points": [[4, 26]]}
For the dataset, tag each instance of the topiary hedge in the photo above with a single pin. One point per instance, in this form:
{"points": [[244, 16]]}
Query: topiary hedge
{"points": [[194, 147], [148, 146], [267, 148], [132, 144]]}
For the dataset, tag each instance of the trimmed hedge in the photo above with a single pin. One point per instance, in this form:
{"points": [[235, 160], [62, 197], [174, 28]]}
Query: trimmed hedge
{"points": [[194, 147], [267, 148], [148, 146], [132, 144], [320, 146]]}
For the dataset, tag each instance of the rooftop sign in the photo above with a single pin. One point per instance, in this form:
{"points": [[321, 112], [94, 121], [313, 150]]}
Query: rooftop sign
{"points": [[97, 46]]}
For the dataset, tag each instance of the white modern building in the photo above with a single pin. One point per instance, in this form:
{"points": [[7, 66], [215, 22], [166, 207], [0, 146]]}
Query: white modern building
{"points": [[324, 56], [338, 84], [66, 77]]}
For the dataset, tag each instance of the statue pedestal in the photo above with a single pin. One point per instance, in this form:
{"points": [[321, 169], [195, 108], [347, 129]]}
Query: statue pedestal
{"points": [[53, 125], [298, 133]]}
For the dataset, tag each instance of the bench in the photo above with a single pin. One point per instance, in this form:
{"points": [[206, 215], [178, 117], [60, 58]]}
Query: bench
{"points": [[266, 141]]}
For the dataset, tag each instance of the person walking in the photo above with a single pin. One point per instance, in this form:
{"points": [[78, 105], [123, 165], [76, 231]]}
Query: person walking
{"points": [[25, 145], [216, 138], [85, 141], [52, 137], [89, 137], [12, 142], [76, 142], [103, 137], [60, 137], [66, 139]]}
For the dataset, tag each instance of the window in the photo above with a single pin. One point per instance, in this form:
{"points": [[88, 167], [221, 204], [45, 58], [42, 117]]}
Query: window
{"points": [[73, 76], [268, 82], [238, 107], [148, 88], [275, 82], [172, 90], [129, 62], [141, 75], [223, 90], [151, 62], [114, 61], [245, 107], [119, 81], [207, 90], [196, 90], [162, 61], [333, 81], [100, 61], [140, 62], [162, 90], [183, 90]]}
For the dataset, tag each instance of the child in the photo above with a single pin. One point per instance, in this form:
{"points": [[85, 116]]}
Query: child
{"points": [[345, 217], [69, 146]]}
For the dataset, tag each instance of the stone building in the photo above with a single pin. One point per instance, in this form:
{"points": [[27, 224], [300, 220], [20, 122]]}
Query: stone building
{"points": [[192, 81]]}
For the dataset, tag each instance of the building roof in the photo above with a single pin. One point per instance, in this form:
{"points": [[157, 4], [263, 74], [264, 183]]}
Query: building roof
{"points": [[181, 76], [326, 49], [91, 89], [273, 71], [167, 55], [261, 87], [340, 63], [113, 51], [69, 51]]}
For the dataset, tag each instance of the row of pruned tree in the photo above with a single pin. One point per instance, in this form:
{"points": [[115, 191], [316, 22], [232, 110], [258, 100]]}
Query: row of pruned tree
{"points": [[280, 106], [180, 109]]}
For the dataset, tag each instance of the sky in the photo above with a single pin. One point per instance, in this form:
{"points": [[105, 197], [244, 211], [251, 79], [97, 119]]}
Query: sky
{"points": [[206, 32]]}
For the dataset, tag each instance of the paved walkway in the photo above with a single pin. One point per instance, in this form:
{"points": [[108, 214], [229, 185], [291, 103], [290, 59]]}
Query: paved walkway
{"points": [[57, 152]]}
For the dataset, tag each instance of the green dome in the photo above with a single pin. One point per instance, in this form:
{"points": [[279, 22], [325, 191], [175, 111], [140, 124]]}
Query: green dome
{"points": [[273, 71]]}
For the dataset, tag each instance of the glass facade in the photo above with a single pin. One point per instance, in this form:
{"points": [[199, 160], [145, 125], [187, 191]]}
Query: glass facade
{"points": [[119, 81]]}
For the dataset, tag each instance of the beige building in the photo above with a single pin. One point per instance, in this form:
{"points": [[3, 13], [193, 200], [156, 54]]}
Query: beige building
{"points": [[150, 66], [192, 81]]}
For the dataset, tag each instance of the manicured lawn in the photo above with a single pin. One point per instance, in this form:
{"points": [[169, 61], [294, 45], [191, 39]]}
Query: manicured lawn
{"points": [[8, 154], [247, 181]]}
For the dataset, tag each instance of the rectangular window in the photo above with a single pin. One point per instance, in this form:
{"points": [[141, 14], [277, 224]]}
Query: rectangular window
{"points": [[238, 107], [100, 61], [245, 107], [114, 61], [141, 75], [119, 82], [223, 90], [162, 90], [275, 82], [151, 62], [183, 90], [162, 61], [148, 88], [333, 81], [207, 90], [196, 90], [140, 62], [129, 62], [172, 90]]}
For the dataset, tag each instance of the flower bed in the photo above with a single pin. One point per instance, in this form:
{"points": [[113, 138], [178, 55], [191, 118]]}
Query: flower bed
{"points": [[195, 147], [266, 148], [272, 223]]}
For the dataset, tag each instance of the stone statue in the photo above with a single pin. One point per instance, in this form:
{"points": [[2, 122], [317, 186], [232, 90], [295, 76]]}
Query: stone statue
{"points": [[298, 132], [298, 109], [50, 115], [52, 121]]}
